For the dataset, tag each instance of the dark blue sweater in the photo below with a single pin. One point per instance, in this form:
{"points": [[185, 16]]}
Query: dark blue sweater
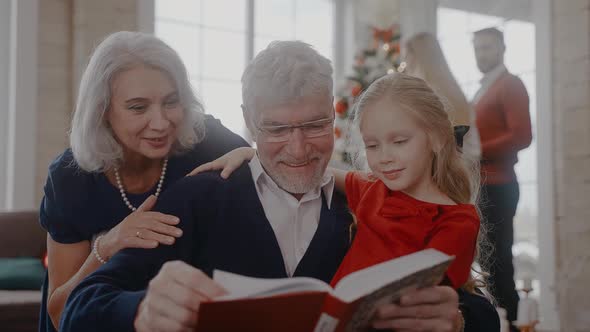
{"points": [[224, 227]]}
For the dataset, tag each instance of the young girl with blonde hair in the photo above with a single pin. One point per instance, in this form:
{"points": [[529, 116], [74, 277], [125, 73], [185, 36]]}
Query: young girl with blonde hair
{"points": [[420, 192], [423, 193]]}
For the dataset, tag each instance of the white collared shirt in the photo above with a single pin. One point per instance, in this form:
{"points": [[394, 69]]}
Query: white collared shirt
{"points": [[293, 221], [487, 80]]}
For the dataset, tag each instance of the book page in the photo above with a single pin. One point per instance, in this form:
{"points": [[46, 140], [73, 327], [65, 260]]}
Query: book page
{"points": [[239, 286], [369, 280], [392, 292]]}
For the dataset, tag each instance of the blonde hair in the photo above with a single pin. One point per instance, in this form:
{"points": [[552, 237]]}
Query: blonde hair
{"points": [[451, 174], [425, 59]]}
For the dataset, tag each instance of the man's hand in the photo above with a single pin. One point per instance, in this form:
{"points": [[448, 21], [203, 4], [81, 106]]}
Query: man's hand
{"points": [[173, 298], [433, 309]]}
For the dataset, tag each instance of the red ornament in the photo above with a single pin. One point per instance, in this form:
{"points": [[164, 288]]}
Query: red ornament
{"points": [[384, 35], [337, 132], [356, 90], [341, 107]]}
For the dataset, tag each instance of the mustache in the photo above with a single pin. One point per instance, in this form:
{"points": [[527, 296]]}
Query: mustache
{"points": [[285, 158]]}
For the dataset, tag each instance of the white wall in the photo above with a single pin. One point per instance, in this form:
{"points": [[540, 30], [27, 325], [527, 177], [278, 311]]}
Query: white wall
{"points": [[145, 16], [548, 306]]}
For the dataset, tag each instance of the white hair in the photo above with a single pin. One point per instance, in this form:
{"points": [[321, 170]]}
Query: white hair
{"points": [[283, 73], [93, 143]]}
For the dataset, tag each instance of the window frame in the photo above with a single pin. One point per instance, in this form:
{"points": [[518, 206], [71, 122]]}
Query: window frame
{"points": [[147, 21]]}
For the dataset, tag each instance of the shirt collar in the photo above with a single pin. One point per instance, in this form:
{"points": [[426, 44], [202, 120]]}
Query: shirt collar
{"points": [[493, 74], [261, 179]]}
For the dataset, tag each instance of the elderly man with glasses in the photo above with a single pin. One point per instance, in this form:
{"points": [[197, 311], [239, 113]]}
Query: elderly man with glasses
{"points": [[275, 217]]}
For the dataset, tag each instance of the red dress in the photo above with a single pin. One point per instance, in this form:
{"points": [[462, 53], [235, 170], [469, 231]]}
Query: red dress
{"points": [[392, 224]]}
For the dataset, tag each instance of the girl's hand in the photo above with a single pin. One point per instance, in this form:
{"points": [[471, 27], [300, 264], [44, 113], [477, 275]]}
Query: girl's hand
{"points": [[228, 163], [141, 229]]}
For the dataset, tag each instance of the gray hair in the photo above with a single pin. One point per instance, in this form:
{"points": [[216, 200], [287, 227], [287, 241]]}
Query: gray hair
{"points": [[93, 144], [283, 73]]}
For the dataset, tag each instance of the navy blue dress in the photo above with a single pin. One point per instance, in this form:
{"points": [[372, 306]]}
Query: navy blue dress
{"points": [[77, 204]]}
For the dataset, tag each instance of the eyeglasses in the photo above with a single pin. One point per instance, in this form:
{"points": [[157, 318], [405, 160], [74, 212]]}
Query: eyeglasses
{"points": [[311, 129]]}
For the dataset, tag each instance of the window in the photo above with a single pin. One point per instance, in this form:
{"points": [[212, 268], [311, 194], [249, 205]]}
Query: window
{"points": [[455, 33], [5, 13], [18, 106], [307, 20], [211, 38]]}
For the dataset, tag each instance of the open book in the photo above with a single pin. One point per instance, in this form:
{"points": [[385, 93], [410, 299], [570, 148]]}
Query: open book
{"points": [[306, 304]]}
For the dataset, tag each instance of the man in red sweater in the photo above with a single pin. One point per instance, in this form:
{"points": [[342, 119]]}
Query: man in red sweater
{"points": [[503, 121]]}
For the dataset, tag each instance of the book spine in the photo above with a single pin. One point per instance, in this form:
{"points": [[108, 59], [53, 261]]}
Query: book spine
{"points": [[333, 311], [326, 323]]}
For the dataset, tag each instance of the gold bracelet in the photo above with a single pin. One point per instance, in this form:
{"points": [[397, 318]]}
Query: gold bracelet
{"points": [[462, 326]]}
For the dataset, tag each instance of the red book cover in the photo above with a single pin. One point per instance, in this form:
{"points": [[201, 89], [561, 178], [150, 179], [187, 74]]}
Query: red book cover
{"points": [[306, 304]]}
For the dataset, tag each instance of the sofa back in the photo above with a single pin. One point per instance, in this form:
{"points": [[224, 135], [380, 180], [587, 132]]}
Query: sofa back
{"points": [[21, 235]]}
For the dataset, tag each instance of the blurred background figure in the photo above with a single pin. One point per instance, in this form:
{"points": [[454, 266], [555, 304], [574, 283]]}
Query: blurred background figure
{"points": [[503, 120], [425, 59]]}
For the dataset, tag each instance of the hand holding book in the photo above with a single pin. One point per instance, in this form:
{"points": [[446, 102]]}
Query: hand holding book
{"points": [[305, 304], [428, 309]]}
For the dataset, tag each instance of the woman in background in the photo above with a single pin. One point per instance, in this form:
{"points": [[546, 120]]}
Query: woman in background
{"points": [[425, 60]]}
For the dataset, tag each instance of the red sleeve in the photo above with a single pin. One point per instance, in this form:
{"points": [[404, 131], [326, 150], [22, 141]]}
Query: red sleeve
{"points": [[456, 235], [355, 186], [515, 105]]}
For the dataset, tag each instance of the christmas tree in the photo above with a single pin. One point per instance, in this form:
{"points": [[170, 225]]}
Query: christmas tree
{"points": [[380, 58]]}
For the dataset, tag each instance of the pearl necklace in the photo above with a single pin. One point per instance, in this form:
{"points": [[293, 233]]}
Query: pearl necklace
{"points": [[122, 190]]}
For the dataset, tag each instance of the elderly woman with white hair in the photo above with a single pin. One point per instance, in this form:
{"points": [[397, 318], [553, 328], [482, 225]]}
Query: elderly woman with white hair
{"points": [[137, 128]]}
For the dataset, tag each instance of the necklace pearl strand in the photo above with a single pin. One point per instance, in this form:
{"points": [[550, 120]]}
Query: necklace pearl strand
{"points": [[122, 190]]}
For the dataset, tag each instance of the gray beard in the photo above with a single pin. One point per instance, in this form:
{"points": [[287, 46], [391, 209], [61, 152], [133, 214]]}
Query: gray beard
{"points": [[298, 186]]}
